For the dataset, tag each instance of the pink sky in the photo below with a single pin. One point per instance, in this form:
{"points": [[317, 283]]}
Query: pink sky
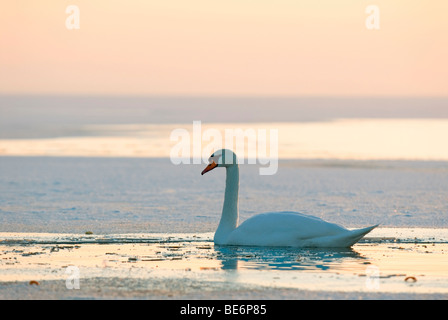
{"points": [[232, 47]]}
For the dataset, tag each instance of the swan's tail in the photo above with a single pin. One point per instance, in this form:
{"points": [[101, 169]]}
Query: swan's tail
{"points": [[356, 235], [341, 240]]}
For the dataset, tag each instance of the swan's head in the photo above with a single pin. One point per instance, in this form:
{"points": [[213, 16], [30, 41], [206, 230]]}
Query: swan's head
{"points": [[222, 158]]}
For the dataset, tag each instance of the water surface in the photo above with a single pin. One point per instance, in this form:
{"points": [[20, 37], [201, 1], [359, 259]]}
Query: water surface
{"points": [[388, 260]]}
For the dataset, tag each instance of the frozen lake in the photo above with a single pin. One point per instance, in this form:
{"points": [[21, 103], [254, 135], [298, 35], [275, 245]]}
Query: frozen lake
{"points": [[121, 195], [71, 165]]}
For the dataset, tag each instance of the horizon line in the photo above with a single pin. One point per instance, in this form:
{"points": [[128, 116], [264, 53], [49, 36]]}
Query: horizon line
{"points": [[222, 96]]}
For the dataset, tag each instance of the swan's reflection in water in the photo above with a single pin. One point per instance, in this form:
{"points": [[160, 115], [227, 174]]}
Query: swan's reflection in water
{"points": [[288, 258]]}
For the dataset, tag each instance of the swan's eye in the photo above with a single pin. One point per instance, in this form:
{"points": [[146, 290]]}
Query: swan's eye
{"points": [[214, 158]]}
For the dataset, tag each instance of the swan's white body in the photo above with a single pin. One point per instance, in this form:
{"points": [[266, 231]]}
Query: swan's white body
{"points": [[274, 228]]}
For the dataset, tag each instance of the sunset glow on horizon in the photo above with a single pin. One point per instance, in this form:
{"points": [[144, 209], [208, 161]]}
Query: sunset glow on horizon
{"points": [[236, 47]]}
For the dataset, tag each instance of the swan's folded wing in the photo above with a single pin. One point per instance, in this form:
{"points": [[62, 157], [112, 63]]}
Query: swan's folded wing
{"points": [[282, 229]]}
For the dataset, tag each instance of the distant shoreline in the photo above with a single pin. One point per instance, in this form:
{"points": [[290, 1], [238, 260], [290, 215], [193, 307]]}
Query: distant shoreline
{"points": [[20, 115]]}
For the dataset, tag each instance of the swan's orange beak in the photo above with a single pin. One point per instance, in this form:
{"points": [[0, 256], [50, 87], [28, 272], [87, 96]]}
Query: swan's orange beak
{"points": [[210, 167]]}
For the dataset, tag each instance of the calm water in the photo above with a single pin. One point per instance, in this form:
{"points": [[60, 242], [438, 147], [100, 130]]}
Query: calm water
{"points": [[381, 262]]}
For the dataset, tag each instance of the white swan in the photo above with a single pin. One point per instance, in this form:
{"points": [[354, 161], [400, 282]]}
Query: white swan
{"points": [[273, 228]]}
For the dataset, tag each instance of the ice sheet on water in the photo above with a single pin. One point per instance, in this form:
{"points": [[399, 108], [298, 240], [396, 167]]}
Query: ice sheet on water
{"points": [[121, 195]]}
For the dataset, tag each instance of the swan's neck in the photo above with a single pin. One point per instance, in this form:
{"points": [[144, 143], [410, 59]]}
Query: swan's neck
{"points": [[229, 218]]}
